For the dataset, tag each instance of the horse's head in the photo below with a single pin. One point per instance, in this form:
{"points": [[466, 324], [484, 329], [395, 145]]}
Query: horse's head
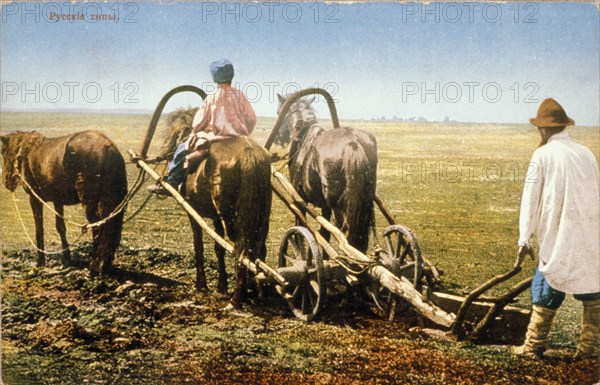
{"points": [[179, 126], [11, 152], [300, 116]]}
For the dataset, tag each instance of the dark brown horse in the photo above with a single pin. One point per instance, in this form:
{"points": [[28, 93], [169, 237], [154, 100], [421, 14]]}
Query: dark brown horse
{"points": [[85, 168], [233, 188], [335, 170]]}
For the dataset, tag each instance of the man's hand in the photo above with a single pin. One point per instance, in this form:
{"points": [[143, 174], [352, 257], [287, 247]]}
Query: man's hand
{"points": [[523, 252]]}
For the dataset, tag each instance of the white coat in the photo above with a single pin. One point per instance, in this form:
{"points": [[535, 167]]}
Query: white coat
{"points": [[560, 205]]}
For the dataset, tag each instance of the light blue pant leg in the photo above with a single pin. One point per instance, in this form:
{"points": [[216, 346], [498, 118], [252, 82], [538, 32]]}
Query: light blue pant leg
{"points": [[176, 169], [543, 294]]}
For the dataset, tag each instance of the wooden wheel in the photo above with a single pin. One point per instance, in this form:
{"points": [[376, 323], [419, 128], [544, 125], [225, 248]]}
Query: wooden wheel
{"points": [[305, 295], [404, 253], [402, 258]]}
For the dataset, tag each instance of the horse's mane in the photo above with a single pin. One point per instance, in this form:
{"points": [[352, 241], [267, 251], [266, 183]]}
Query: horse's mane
{"points": [[179, 126], [284, 137], [27, 141], [30, 140]]}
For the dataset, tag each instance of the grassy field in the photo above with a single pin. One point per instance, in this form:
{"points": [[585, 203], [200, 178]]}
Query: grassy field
{"points": [[456, 186]]}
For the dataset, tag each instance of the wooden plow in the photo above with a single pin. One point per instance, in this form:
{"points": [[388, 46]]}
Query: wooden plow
{"points": [[397, 276]]}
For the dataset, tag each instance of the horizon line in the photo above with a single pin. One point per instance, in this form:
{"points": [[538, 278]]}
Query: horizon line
{"points": [[142, 111]]}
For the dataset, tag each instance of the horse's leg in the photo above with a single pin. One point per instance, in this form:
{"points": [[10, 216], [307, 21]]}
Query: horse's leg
{"points": [[199, 255], [239, 294], [91, 213], [38, 217], [241, 273], [109, 233], [62, 231], [326, 213], [339, 218], [220, 253]]}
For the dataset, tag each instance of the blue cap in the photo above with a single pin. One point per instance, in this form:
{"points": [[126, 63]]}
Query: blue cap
{"points": [[221, 71]]}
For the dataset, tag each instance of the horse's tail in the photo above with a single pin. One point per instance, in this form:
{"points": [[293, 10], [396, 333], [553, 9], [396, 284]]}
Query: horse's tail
{"points": [[358, 196], [253, 205], [111, 200]]}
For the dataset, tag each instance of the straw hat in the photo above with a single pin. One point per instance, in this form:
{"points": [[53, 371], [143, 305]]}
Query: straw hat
{"points": [[551, 114]]}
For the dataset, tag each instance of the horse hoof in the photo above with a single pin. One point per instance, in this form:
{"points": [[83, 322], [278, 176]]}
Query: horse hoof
{"points": [[222, 290], [66, 260], [236, 311], [202, 289], [108, 270], [34, 272], [95, 271]]}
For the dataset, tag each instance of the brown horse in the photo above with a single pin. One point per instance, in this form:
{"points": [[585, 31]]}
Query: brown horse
{"points": [[85, 168], [335, 170], [233, 188]]}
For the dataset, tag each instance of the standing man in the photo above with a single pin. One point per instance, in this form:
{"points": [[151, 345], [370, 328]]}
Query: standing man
{"points": [[560, 206], [225, 113]]}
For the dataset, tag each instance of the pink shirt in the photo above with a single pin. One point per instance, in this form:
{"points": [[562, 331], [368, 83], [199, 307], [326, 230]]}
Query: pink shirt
{"points": [[227, 112]]}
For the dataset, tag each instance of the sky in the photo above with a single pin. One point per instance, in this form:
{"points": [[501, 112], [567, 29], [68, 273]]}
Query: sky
{"points": [[474, 62]]}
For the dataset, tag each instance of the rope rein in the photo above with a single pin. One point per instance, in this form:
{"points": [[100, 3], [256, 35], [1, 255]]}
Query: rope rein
{"points": [[140, 180], [14, 199], [84, 227], [42, 201]]}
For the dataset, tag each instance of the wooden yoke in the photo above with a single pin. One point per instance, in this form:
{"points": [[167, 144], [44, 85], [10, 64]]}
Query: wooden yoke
{"points": [[291, 100], [158, 112]]}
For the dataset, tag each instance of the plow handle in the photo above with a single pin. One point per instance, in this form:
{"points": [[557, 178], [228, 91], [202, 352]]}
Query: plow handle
{"points": [[458, 326]]}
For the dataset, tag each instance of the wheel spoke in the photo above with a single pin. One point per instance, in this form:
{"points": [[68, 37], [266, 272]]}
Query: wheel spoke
{"points": [[296, 291], [405, 253], [313, 296], [398, 247], [408, 266], [300, 246], [314, 285], [305, 302], [295, 249], [290, 259]]}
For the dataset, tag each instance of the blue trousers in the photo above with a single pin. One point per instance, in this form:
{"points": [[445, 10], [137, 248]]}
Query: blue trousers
{"points": [[542, 294], [177, 172]]}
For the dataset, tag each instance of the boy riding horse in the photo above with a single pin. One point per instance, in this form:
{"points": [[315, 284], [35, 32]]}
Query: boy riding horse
{"points": [[224, 114]]}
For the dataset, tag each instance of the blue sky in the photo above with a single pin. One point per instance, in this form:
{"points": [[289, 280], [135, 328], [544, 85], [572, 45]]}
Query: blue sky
{"points": [[480, 62]]}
